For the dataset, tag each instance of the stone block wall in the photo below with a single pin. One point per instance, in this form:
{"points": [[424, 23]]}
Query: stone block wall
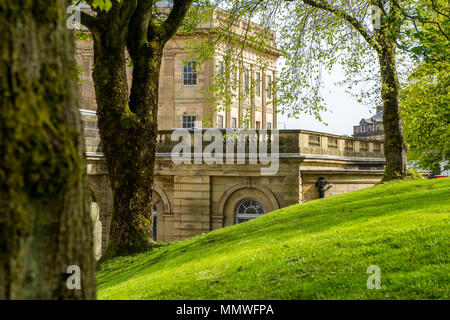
{"points": [[192, 199]]}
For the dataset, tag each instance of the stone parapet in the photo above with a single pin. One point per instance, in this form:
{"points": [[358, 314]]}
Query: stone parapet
{"points": [[291, 142], [195, 198]]}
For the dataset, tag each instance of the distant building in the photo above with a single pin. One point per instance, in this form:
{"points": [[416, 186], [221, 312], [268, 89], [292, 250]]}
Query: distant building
{"points": [[371, 128]]}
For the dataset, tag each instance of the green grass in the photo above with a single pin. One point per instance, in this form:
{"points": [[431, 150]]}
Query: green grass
{"points": [[317, 250]]}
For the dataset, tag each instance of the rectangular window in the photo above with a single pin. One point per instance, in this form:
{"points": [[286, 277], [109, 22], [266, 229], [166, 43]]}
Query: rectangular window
{"points": [[363, 146], [220, 68], [269, 126], [258, 84], [258, 125], [219, 121], [233, 79], [376, 147], [220, 73], [269, 87], [189, 121], [246, 81], [190, 73], [233, 122]]}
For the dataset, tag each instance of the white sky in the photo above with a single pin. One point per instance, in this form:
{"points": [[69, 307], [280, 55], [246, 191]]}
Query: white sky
{"points": [[343, 113]]}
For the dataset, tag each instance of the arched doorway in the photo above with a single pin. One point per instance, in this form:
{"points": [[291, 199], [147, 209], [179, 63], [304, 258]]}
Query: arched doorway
{"points": [[248, 209]]}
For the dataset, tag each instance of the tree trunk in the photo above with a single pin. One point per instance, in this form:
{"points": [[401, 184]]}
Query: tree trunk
{"points": [[395, 148], [45, 224], [128, 124], [128, 131]]}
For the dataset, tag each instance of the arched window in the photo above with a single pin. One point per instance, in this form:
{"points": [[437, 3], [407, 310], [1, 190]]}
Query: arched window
{"points": [[248, 209]]}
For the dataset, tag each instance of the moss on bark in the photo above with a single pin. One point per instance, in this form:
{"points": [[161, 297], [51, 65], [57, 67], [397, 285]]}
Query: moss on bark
{"points": [[128, 118], [395, 147], [45, 223]]}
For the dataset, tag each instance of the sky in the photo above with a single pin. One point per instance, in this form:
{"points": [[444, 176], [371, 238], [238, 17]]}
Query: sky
{"points": [[343, 112]]}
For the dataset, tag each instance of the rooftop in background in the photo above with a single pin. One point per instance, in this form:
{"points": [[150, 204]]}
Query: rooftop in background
{"points": [[371, 128]]}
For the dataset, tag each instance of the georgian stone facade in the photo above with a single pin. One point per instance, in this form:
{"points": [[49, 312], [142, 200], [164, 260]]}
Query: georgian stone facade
{"points": [[196, 198], [191, 199], [183, 86]]}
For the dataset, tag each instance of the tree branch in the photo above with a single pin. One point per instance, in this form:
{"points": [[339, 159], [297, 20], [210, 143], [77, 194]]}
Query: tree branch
{"points": [[175, 18], [127, 10], [138, 26], [347, 17], [422, 19], [90, 22]]}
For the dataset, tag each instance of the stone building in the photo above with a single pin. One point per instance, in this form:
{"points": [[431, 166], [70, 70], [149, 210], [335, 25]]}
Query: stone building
{"points": [[191, 199], [183, 101], [196, 198], [371, 128]]}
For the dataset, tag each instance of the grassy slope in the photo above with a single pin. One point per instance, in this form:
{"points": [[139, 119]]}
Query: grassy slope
{"points": [[318, 250]]}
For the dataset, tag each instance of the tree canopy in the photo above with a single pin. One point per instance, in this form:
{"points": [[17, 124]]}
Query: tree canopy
{"points": [[426, 112], [314, 36]]}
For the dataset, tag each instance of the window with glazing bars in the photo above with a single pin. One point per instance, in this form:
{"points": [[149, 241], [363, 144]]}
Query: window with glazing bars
{"points": [[189, 121], [190, 73]]}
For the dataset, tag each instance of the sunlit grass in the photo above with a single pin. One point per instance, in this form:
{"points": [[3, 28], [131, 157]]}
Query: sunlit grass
{"points": [[318, 250]]}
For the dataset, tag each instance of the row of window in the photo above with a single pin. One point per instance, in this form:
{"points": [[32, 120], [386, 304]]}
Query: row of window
{"points": [[258, 84], [369, 128], [190, 78], [189, 122]]}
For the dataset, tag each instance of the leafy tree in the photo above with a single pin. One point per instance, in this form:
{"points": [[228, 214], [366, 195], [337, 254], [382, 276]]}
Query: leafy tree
{"points": [[428, 34], [426, 111], [360, 35], [127, 118], [45, 224], [426, 97]]}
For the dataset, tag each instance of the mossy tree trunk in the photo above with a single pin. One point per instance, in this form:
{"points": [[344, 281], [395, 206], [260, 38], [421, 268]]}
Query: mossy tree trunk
{"points": [[128, 117], [45, 224], [395, 147]]}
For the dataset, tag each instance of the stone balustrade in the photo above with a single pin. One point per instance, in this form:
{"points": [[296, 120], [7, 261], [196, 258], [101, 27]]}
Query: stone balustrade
{"points": [[319, 143], [192, 198], [290, 142]]}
